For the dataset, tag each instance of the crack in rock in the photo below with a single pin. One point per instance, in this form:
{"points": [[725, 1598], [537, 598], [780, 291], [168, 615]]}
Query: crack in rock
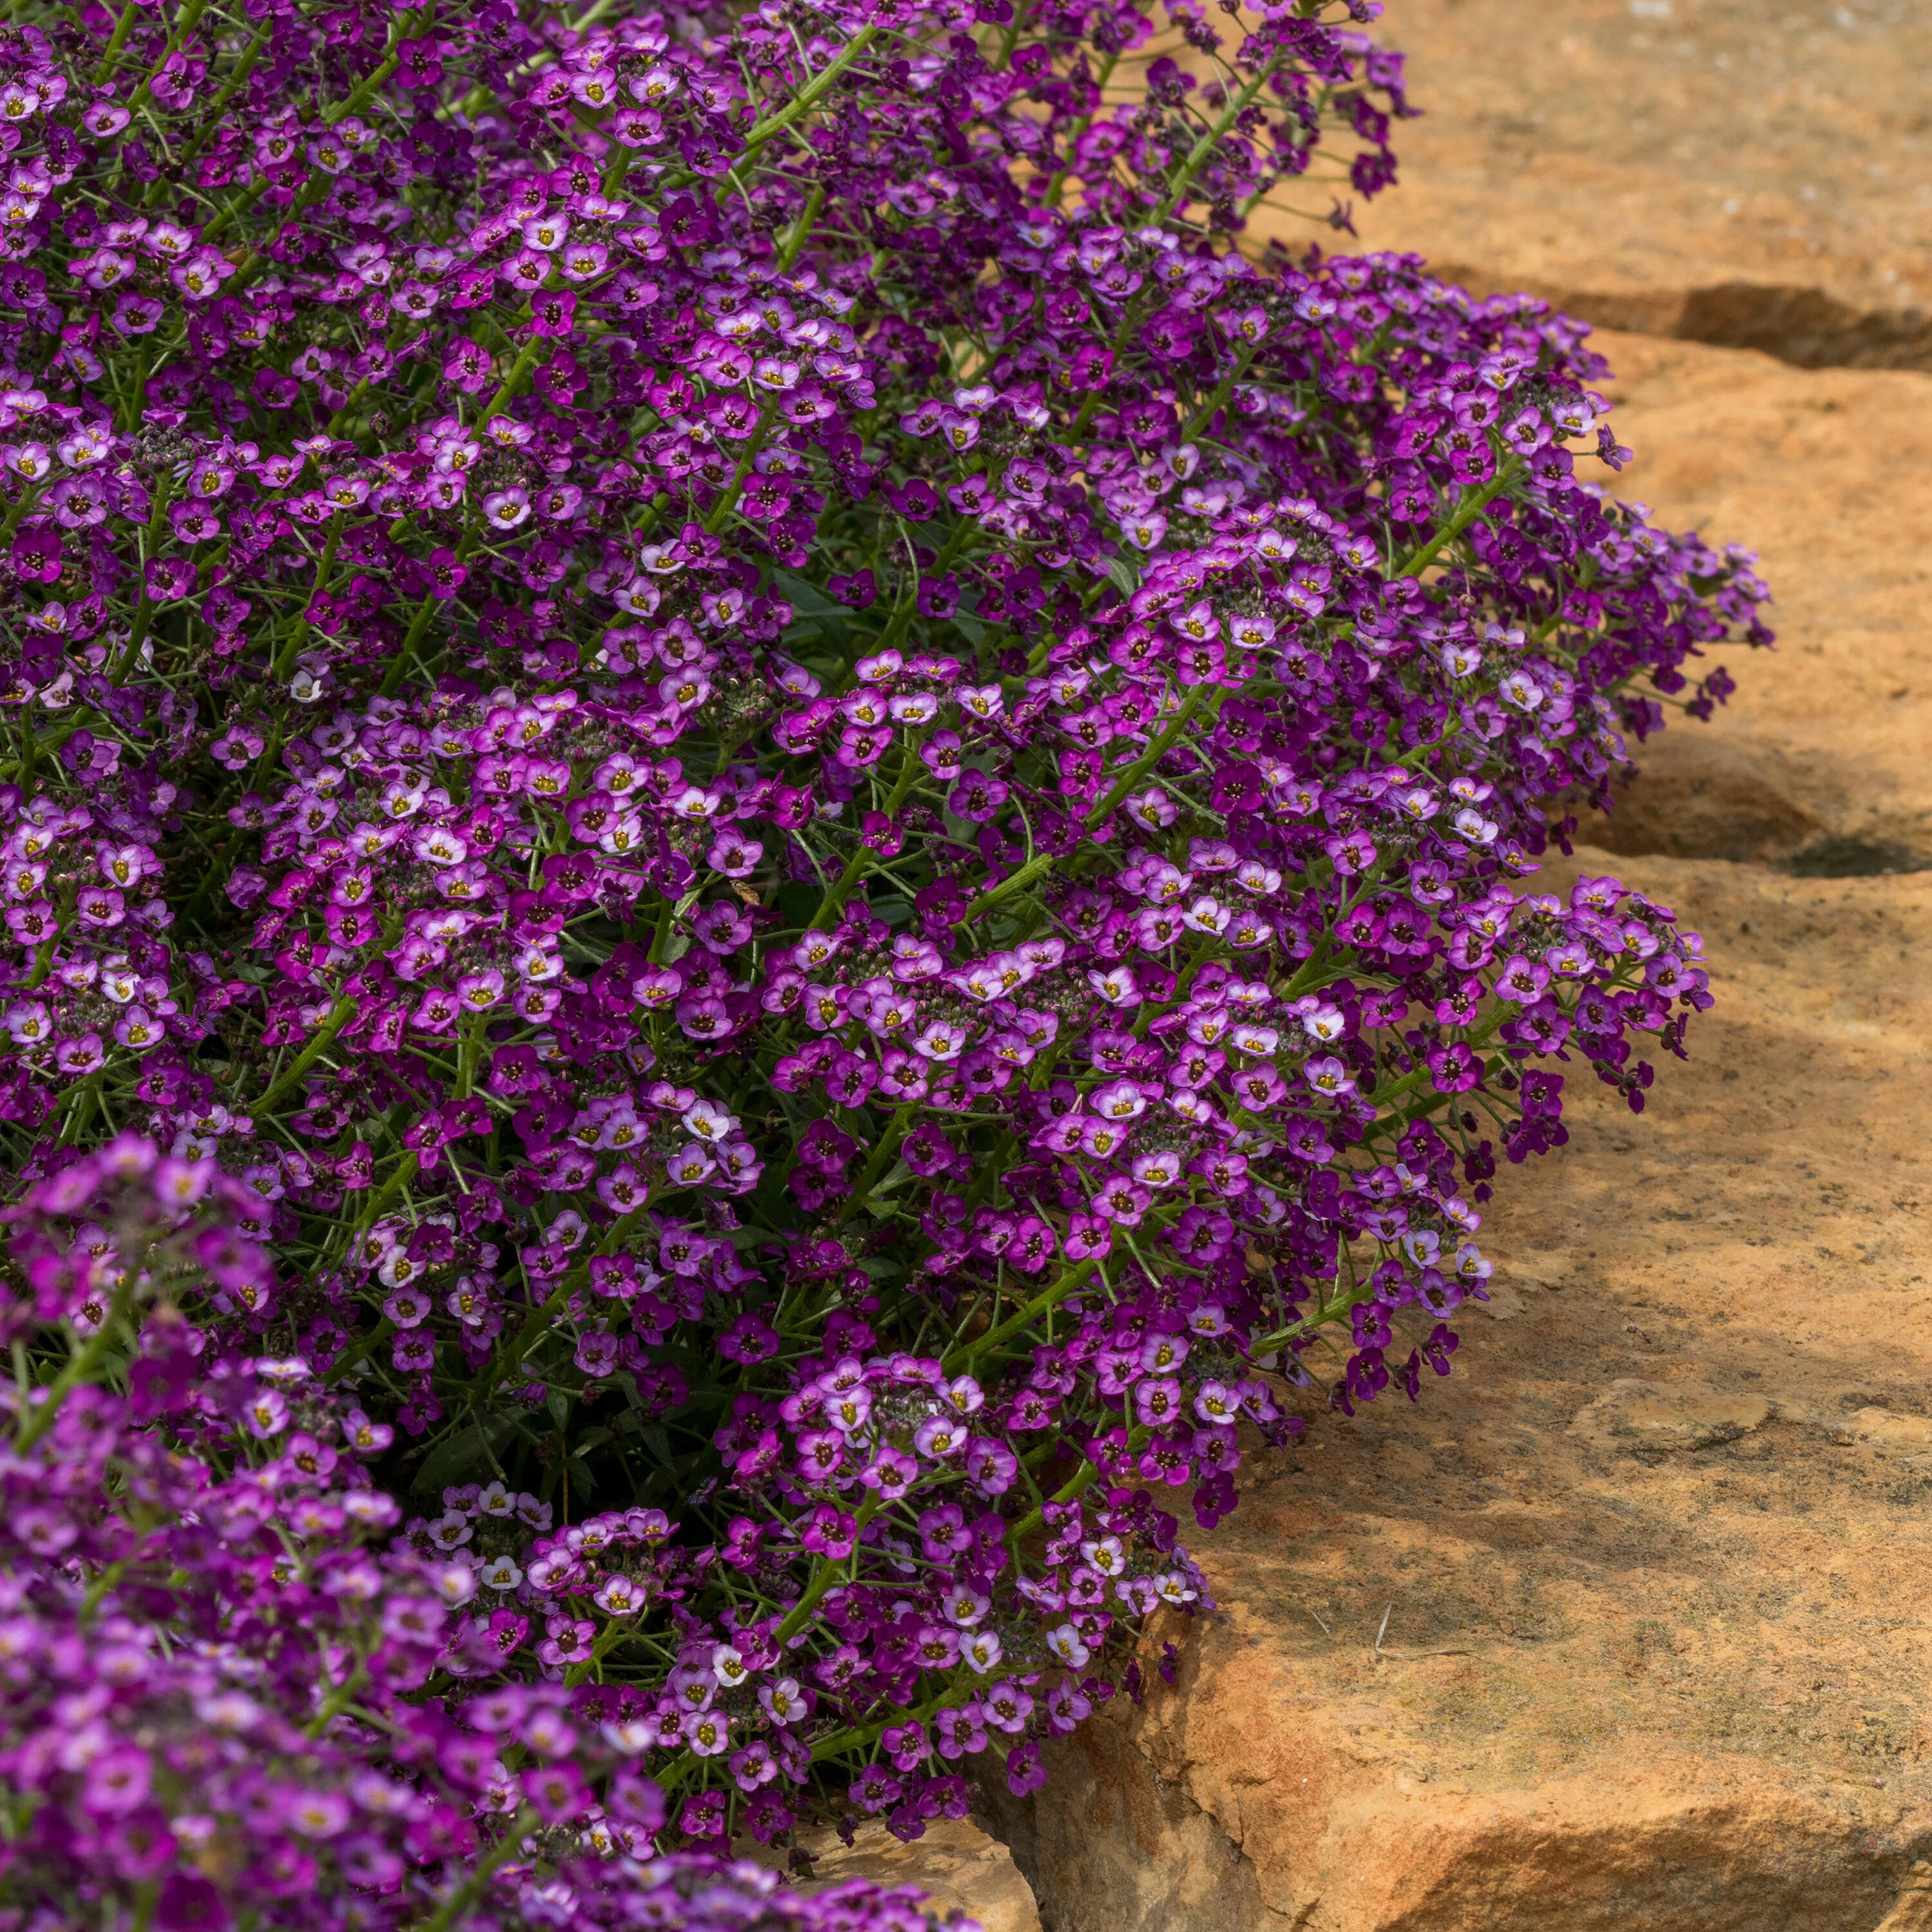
{"points": [[1799, 325]]}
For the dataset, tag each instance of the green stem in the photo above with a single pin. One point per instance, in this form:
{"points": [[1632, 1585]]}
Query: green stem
{"points": [[144, 609], [1083, 1477], [796, 235], [244, 67], [1222, 390], [808, 96], [727, 501], [405, 652], [339, 1017], [239, 206], [1474, 503], [1414, 760], [338, 1700], [1130, 320], [468, 1054], [1039, 866], [81, 1367], [122, 28], [548, 1310], [405, 1172], [28, 498], [1199, 155], [43, 963], [285, 658], [615, 169], [453, 1908], [367, 88], [1035, 867], [1070, 1280], [882, 1155], [511, 386], [1152, 756], [824, 1573], [841, 888], [362, 1350]]}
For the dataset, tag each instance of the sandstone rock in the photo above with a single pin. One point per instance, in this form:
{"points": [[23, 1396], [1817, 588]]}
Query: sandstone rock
{"points": [[955, 1864], [1655, 1563], [1818, 763], [1913, 1911], [1894, 1432], [1637, 1414], [1722, 170]]}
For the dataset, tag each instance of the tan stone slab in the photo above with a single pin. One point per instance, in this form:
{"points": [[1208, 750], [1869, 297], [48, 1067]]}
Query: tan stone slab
{"points": [[966, 1875], [1756, 172], [956, 1864], [1821, 754], [1635, 1414]]}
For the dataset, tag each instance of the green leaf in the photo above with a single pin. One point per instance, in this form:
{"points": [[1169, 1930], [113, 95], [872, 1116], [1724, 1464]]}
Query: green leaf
{"points": [[806, 598], [451, 1461], [798, 900]]}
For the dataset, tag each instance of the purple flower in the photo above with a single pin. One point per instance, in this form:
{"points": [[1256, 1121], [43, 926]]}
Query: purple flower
{"points": [[826, 939], [187, 1902], [315, 1814], [555, 1792], [991, 1466], [117, 1781], [266, 1415], [708, 1733]]}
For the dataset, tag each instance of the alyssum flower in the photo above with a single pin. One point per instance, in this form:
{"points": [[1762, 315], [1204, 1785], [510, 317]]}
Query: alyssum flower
{"points": [[770, 845]]}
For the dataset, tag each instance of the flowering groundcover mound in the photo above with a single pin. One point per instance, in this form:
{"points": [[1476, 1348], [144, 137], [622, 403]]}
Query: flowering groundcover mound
{"points": [[766, 856]]}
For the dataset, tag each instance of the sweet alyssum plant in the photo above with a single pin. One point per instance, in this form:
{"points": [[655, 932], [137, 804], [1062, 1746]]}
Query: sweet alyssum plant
{"points": [[215, 1656], [769, 848]]}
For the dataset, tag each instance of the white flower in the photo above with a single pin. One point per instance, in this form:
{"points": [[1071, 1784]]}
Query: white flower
{"points": [[1065, 1644], [981, 1650]]}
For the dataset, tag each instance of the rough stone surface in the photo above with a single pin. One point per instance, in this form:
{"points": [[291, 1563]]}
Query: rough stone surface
{"points": [[960, 1868], [1819, 763], [1751, 173], [1629, 1622]]}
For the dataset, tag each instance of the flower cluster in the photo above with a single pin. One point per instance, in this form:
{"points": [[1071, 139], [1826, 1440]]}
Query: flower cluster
{"points": [[212, 1647], [791, 823]]}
